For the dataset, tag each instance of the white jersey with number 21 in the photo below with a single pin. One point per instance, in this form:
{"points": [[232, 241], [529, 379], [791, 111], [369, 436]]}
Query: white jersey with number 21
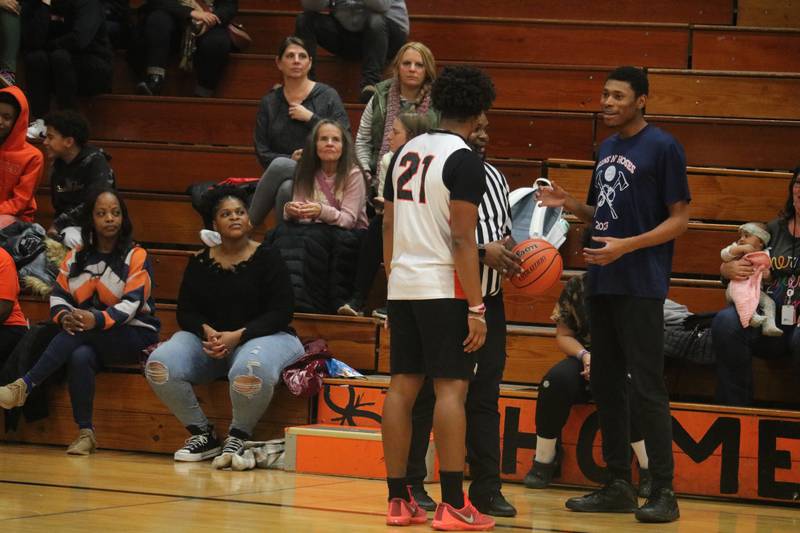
{"points": [[422, 253]]}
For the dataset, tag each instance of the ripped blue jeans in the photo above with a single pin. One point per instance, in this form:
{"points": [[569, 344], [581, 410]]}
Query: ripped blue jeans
{"points": [[253, 370]]}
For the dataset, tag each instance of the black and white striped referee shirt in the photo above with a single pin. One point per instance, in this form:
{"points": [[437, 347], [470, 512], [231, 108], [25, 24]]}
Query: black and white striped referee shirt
{"points": [[494, 223]]}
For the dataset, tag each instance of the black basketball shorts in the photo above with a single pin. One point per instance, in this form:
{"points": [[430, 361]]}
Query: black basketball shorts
{"points": [[427, 337]]}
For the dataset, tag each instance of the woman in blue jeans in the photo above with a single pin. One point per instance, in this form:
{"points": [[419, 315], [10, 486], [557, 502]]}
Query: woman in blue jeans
{"points": [[103, 304], [734, 345], [234, 309]]}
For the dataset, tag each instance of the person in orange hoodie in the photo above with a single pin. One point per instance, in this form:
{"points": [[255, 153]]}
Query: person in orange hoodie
{"points": [[21, 163]]}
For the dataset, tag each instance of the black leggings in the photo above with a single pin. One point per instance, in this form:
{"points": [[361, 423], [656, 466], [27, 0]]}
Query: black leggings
{"points": [[561, 388], [210, 59]]}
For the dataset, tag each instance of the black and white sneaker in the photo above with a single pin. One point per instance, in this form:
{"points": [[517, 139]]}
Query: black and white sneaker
{"points": [[202, 445], [233, 446]]}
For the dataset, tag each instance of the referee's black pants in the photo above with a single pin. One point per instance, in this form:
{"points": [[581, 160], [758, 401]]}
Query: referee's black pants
{"points": [[628, 336], [483, 417]]}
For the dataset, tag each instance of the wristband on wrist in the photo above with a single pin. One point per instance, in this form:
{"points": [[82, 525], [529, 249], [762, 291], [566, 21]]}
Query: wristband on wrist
{"points": [[478, 309], [581, 353]]}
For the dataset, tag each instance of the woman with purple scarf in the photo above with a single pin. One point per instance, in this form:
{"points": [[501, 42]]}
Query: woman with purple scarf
{"points": [[407, 91]]}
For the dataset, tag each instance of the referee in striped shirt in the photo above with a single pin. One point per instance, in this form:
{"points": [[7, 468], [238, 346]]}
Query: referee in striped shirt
{"points": [[483, 417]]}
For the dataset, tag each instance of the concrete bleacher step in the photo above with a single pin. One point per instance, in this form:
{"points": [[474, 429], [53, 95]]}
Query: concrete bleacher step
{"points": [[719, 451]]}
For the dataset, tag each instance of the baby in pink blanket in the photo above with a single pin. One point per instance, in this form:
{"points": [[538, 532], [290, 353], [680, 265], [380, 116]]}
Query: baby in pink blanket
{"points": [[746, 295]]}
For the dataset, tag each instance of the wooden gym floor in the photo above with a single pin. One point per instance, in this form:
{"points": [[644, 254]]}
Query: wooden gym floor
{"points": [[42, 489]]}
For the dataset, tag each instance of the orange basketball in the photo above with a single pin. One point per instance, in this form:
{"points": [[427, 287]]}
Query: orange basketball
{"points": [[541, 266]]}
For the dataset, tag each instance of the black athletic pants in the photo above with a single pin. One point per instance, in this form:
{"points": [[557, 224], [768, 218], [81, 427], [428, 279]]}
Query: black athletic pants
{"points": [[483, 417], [210, 59], [65, 74], [561, 388], [628, 336]]}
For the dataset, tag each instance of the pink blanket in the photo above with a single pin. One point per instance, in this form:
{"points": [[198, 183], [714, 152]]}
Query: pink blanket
{"points": [[745, 293]]}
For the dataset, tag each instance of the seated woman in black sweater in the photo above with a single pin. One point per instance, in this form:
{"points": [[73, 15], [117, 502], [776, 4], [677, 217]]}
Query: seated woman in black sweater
{"points": [[234, 309]]}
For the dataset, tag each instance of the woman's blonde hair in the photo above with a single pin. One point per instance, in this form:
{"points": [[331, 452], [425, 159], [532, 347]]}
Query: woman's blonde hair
{"points": [[427, 59]]}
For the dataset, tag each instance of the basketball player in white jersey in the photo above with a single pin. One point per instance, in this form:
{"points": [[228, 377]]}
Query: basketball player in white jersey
{"points": [[436, 313]]}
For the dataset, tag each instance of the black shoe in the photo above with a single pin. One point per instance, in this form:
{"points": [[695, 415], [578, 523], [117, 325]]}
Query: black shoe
{"points": [[202, 445], [421, 497], [645, 483], [660, 507], [152, 86], [618, 496], [494, 505], [541, 474]]}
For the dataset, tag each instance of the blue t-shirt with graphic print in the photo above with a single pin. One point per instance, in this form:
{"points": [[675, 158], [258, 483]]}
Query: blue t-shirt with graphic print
{"points": [[635, 181]]}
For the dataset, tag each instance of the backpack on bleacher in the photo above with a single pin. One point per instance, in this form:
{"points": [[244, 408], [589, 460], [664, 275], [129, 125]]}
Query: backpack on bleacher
{"points": [[532, 221]]}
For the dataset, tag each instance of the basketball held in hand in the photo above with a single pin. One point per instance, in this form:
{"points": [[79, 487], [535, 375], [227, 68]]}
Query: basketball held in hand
{"points": [[541, 266]]}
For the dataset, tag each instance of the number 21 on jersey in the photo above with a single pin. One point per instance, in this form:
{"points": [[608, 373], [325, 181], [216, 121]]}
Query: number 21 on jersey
{"points": [[411, 164]]}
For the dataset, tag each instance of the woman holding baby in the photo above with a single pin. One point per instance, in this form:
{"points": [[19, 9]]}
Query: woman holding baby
{"points": [[735, 345]]}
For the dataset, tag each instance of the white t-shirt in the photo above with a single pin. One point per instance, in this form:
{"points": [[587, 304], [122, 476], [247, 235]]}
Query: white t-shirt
{"points": [[424, 176]]}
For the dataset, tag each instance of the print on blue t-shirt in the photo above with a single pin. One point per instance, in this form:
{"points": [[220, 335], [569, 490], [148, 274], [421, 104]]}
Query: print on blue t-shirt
{"points": [[635, 181]]}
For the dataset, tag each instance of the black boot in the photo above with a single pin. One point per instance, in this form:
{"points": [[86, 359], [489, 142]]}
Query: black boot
{"points": [[661, 506], [422, 498], [541, 474], [618, 496], [151, 86]]}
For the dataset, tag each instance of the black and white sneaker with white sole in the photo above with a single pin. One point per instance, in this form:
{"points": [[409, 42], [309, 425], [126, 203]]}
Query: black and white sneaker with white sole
{"points": [[200, 446]]}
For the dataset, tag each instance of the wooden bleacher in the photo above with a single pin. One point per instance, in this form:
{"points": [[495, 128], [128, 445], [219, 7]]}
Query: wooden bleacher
{"points": [[724, 76]]}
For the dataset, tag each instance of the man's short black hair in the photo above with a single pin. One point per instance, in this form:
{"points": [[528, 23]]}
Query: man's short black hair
{"points": [[8, 98], [636, 77], [69, 124], [462, 92]]}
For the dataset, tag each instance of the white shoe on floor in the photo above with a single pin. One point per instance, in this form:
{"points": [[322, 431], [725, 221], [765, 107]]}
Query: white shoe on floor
{"points": [[243, 461]]}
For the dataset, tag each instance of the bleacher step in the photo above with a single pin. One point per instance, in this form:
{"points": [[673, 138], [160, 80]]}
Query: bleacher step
{"points": [[721, 452], [337, 450]]}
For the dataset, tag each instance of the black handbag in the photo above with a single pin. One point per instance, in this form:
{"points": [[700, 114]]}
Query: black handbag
{"points": [[692, 344]]}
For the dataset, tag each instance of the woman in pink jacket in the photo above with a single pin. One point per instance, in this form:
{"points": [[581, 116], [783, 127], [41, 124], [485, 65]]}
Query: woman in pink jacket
{"points": [[329, 185]]}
